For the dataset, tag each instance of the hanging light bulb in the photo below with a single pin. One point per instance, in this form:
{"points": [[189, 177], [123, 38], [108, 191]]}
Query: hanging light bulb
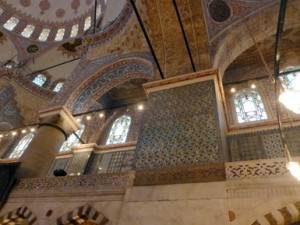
{"points": [[291, 100], [294, 168]]}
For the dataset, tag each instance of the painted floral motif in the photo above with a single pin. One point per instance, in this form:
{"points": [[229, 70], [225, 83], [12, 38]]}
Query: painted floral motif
{"points": [[60, 13], [25, 3], [44, 6], [75, 5]]}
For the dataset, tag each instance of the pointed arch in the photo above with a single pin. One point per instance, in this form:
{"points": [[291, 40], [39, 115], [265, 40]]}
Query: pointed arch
{"points": [[107, 78], [286, 215], [84, 212], [19, 213]]}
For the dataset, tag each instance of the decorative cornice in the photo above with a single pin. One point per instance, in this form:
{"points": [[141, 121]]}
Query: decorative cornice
{"points": [[71, 184], [180, 80], [180, 175]]}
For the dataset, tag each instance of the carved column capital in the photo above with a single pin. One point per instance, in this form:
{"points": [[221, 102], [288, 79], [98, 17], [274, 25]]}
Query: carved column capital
{"points": [[59, 117]]}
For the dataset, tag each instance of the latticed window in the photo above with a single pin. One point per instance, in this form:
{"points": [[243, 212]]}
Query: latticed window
{"points": [[28, 30], [22, 145], [119, 130], [40, 79], [11, 23], [249, 107], [58, 86], [291, 81], [72, 140]]}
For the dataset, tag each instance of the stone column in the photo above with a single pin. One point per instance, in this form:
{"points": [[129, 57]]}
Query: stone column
{"points": [[184, 124], [56, 125]]}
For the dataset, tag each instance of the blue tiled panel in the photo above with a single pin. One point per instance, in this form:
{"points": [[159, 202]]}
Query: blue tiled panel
{"points": [[263, 144], [180, 128]]}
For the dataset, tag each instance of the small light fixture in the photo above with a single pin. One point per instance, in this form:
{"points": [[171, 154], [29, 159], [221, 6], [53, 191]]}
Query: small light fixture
{"points": [[101, 115], [32, 129], [1, 135], [23, 131], [253, 86], [78, 120], [140, 107], [88, 118], [14, 133], [232, 90]]}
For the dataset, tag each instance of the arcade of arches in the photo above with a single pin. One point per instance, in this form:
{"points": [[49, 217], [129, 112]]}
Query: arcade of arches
{"points": [[95, 135]]}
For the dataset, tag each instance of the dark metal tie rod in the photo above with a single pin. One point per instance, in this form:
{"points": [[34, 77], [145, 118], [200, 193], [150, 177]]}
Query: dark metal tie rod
{"points": [[51, 67], [147, 38], [184, 35]]}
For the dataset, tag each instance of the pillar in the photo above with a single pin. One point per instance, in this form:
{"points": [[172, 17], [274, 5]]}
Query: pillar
{"points": [[56, 125], [184, 124]]}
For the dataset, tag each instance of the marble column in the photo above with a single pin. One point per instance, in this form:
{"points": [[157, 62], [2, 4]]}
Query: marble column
{"points": [[56, 125], [184, 124]]}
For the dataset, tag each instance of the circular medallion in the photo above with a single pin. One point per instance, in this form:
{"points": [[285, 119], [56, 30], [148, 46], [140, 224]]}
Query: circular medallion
{"points": [[219, 10], [32, 48], [60, 13], [25, 3]]}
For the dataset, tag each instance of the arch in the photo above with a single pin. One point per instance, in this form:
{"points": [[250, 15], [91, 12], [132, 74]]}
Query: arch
{"points": [[119, 130], [110, 76], [230, 44], [19, 213], [286, 215], [85, 211]]}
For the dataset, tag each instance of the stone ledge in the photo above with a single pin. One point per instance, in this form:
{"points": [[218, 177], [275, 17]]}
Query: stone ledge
{"points": [[180, 175]]}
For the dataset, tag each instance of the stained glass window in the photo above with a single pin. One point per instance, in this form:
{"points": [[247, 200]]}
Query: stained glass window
{"points": [[74, 30], [44, 34], [72, 140], [119, 130], [11, 23], [58, 87], [28, 30], [22, 145], [60, 34], [291, 81], [87, 23], [39, 80], [249, 106]]}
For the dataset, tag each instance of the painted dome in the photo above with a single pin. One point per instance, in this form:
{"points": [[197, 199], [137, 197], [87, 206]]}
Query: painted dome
{"points": [[50, 20]]}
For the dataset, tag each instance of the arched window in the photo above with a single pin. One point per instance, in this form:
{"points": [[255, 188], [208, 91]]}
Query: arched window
{"points": [[119, 130], [87, 23], [291, 81], [28, 30], [58, 86], [74, 30], [60, 34], [72, 140], [249, 106], [44, 34], [39, 80], [11, 23], [22, 145]]}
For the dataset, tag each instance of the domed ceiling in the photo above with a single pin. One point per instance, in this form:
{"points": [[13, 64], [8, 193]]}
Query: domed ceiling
{"points": [[49, 20]]}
